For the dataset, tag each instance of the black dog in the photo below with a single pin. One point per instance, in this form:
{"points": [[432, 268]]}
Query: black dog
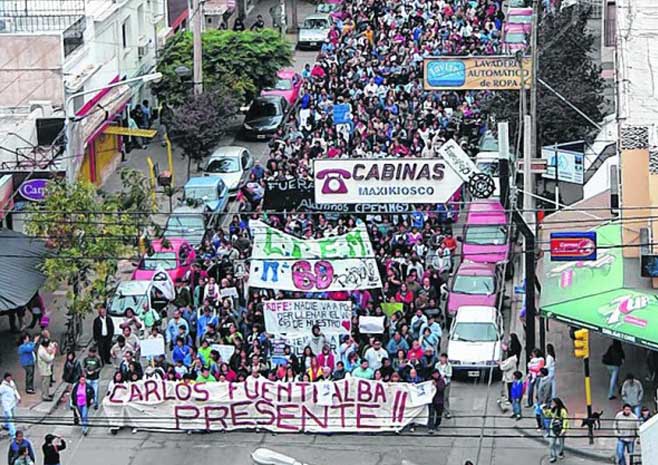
{"points": [[594, 421]]}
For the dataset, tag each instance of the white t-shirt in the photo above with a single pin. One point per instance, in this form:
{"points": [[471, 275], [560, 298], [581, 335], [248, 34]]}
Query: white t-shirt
{"points": [[375, 357]]}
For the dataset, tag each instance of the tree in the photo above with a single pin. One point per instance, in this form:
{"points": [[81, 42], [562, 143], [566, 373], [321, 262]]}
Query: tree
{"points": [[198, 124], [87, 232], [565, 63], [243, 61]]}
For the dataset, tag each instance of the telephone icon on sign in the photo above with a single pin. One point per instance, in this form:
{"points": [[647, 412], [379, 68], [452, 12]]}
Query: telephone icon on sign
{"points": [[334, 181]]}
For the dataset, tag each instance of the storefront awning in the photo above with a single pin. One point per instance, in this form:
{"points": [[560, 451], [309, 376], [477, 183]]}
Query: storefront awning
{"points": [[593, 294], [122, 131], [94, 121], [20, 278]]}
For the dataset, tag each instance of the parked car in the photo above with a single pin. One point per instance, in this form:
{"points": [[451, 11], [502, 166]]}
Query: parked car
{"points": [[314, 31], [288, 84], [207, 194], [190, 224], [174, 255], [128, 294], [473, 284], [266, 114], [232, 164], [474, 341]]}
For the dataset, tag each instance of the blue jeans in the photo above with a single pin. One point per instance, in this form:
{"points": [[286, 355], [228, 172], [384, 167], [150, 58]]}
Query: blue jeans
{"points": [[83, 410], [10, 423], [516, 407], [94, 384], [622, 446], [614, 375]]}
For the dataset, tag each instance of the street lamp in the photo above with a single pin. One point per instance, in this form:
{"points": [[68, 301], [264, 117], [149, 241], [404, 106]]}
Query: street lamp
{"points": [[70, 115]]}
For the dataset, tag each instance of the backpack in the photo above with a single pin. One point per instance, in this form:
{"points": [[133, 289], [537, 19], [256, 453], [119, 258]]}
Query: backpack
{"points": [[556, 426]]}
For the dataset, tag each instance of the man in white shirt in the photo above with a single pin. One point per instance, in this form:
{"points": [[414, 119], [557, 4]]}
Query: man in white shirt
{"points": [[9, 398], [375, 354], [445, 368]]}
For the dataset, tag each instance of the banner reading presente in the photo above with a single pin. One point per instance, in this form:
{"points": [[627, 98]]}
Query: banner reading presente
{"points": [[299, 316], [337, 263], [351, 405]]}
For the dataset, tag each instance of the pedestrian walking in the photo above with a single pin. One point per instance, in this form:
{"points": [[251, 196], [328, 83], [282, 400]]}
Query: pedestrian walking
{"points": [[9, 399], [445, 369], [543, 398], [436, 406], [51, 448], [45, 361], [625, 427], [516, 394], [27, 360], [558, 418], [103, 330], [613, 359], [632, 393], [37, 308], [16, 445], [82, 396], [91, 368]]}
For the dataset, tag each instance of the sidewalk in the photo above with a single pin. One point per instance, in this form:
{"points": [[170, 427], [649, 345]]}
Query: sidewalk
{"points": [[571, 385]]}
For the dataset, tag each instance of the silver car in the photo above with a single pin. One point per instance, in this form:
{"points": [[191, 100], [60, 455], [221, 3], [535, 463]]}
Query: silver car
{"points": [[232, 164]]}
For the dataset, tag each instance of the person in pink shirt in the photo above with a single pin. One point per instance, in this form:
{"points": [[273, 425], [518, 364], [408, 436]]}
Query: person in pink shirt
{"points": [[82, 396], [326, 358]]}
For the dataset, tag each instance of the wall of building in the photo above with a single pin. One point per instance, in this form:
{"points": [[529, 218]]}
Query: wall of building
{"points": [[30, 69]]}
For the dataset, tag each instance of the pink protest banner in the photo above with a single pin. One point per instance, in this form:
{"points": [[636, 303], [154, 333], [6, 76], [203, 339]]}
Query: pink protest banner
{"points": [[350, 405]]}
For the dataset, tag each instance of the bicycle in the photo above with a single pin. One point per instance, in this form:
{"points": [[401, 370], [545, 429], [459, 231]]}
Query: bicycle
{"points": [[71, 337]]}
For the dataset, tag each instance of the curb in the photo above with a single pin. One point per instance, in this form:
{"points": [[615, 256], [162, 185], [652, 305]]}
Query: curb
{"points": [[573, 450]]}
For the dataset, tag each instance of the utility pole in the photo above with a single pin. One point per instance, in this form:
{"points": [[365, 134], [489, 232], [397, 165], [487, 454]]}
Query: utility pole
{"points": [[294, 19], [197, 17]]}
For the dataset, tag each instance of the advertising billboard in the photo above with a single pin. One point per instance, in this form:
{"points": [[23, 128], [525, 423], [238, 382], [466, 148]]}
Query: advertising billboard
{"points": [[414, 180], [472, 73]]}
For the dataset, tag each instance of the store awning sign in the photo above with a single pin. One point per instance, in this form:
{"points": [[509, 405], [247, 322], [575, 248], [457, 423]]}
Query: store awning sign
{"points": [[573, 246]]}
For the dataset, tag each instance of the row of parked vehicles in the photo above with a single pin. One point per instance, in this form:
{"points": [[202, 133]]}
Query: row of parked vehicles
{"points": [[477, 290]]}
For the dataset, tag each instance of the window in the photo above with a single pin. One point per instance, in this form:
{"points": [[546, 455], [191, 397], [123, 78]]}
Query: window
{"points": [[124, 34], [610, 25]]}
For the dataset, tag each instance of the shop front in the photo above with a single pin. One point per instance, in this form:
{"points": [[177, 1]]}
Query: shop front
{"points": [[606, 295], [102, 152]]}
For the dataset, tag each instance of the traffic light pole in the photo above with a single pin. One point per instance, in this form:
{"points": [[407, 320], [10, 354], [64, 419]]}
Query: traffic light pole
{"points": [[588, 400]]}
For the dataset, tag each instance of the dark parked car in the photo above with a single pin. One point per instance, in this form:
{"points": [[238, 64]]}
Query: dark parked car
{"points": [[266, 114]]}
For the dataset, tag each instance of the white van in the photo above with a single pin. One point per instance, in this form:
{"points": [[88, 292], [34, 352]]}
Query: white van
{"points": [[128, 294]]}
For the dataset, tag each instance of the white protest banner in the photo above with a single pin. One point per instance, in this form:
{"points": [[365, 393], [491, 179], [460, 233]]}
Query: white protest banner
{"points": [[371, 324], [271, 243], [297, 342], [421, 394], [409, 180], [357, 405], [163, 282], [228, 292], [336, 263], [152, 347], [225, 351], [299, 316]]}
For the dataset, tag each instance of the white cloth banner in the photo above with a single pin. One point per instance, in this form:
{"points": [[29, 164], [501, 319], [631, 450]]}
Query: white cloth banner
{"points": [[162, 282], [297, 342], [335, 263], [371, 324], [299, 316], [350, 405]]}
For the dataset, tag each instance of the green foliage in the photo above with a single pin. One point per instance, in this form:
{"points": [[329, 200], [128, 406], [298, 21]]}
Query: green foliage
{"points": [[198, 124], [565, 64], [243, 61], [86, 233]]}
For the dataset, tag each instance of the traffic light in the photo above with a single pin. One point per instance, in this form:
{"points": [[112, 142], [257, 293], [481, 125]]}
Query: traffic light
{"points": [[581, 343]]}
